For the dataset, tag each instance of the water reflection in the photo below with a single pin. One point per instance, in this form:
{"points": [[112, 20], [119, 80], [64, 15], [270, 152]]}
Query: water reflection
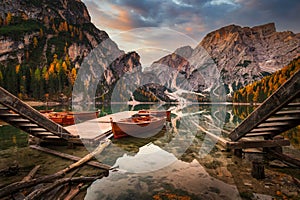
{"points": [[166, 164], [149, 158], [180, 180]]}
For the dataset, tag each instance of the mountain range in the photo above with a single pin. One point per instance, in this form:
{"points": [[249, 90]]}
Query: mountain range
{"points": [[45, 43], [241, 55]]}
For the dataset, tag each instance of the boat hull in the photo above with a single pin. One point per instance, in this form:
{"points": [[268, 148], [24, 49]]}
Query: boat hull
{"points": [[144, 129], [158, 113]]}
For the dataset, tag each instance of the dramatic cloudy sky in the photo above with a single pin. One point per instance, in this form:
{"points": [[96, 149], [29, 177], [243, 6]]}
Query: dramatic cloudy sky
{"points": [[168, 24]]}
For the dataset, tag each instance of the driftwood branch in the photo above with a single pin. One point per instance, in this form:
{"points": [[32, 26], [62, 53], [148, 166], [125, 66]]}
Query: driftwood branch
{"points": [[38, 193], [70, 157], [12, 188], [73, 192], [32, 173]]}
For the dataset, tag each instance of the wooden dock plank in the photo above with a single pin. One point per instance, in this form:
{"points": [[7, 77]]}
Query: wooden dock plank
{"points": [[257, 144], [261, 130], [273, 124], [283, 119], [288, 112], [262, 134]]}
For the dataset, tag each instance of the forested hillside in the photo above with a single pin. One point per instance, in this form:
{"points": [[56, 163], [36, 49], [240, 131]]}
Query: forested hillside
{"points": [[260, 90]]}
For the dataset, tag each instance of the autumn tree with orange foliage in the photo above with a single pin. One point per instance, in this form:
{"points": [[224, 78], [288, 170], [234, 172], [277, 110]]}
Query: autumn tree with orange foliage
{"points": [[260, 90]]}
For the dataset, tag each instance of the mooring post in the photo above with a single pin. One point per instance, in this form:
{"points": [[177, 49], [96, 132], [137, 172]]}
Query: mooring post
{"points": [[238, 153], [258, 170]]}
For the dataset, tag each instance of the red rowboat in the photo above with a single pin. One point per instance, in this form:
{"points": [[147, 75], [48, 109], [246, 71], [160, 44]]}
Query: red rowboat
{"points": [[141, 126], [68, 118], [157, 113]]}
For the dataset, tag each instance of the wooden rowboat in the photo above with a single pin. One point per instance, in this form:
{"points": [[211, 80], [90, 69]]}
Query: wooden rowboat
{"points": [[140, 126], [68, 118], [157, 113]]}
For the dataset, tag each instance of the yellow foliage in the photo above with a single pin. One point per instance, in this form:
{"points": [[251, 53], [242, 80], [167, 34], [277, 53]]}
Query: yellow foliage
{"points": [[8, 18], [73, 76], [64, 66], [18, 68], [51, 68], [57, 67], [46, 76], [268, 84]]}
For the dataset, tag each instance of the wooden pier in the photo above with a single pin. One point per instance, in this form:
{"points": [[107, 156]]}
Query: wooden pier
{"points": [[278, 113], [19, 114]]}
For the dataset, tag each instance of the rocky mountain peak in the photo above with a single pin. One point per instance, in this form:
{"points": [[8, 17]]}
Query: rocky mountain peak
{"points": [[185, 51], [54, 37], [72, 11], [241, 55], [265, 29]]}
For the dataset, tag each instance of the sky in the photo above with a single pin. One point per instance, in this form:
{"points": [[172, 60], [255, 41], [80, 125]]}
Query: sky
{"points": [[156, 27]]}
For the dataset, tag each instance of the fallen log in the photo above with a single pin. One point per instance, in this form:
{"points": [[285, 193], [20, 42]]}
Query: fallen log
{"points": [[73, 192], [70, 157], [223, 142], [32, 173], [12, 188], [38, 193]]}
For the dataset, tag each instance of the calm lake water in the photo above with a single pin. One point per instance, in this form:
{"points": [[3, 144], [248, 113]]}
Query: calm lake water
{"points": [[179, 162]]}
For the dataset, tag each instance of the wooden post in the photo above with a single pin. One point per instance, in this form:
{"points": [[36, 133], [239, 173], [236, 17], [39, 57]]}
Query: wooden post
{"points": [[258, 170], [238, 152]]}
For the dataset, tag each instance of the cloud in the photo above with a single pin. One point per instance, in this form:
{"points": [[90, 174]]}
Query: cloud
{"points": [[220, 2], [194, 18]]}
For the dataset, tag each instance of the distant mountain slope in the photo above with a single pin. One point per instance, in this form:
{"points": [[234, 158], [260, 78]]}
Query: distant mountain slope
{"points": [[260, 90], [43, 43], [242, 55]]}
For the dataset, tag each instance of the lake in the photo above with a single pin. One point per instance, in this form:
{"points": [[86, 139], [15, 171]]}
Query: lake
{"points": [[179, 162]]}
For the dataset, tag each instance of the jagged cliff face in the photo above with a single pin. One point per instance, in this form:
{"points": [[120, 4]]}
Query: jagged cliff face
{"points": [[72, 11], [245, 54], [40, 30], [242, 55], [48, 16]]}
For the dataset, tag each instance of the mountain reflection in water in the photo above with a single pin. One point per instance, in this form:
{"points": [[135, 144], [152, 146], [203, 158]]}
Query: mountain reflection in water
{"points": [[179, 178]]}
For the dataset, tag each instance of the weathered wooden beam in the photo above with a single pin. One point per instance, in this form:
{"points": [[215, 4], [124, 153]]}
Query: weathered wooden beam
{"points": [[223, 142], [257, 144], [261, 130], [283, 119], [293, 105], [282, 96], [70, 157], [262, 134], [286, 158], [288, 112], [273, 124]]}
